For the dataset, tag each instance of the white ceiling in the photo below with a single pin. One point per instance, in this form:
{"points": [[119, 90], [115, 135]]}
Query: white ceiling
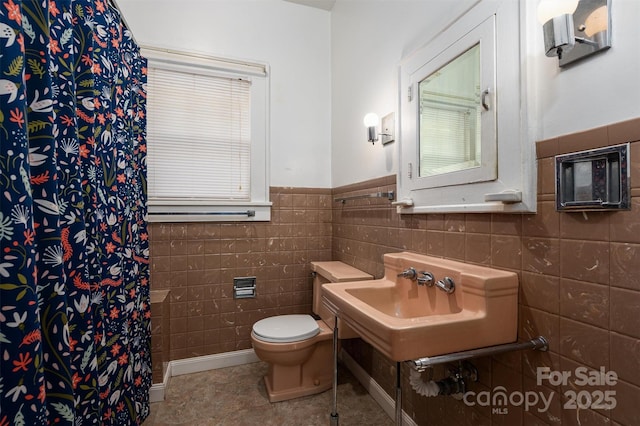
{"points": [[320, 4]]}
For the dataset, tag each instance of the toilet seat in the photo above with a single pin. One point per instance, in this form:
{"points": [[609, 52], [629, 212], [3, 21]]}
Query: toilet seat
{"points": [[286, 328]]}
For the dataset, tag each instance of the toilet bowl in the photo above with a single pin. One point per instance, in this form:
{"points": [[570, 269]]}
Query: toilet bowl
{"points": [[299, 348], [297, 367]]}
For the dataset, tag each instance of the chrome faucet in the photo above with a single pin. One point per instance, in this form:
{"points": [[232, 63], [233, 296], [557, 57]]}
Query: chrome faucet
{"points": [[409, 273], [422, 277], [426, 278], [446, 284]]}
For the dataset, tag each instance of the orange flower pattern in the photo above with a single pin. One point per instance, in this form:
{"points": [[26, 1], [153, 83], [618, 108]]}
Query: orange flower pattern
{"points": [[74, 261]]}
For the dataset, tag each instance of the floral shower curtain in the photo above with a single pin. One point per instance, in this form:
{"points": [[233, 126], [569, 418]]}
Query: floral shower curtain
{"points": [[74, 295]]}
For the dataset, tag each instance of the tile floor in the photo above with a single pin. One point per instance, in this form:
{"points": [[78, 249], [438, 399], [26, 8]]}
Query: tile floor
{"points": [[236, 396]]}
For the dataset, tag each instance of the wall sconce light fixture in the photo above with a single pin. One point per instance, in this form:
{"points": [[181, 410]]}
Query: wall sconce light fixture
{"points": [[371, 121], [574, 29]]}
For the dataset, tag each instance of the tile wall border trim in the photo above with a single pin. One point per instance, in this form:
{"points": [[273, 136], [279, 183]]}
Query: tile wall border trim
{"points": [[598, 137]]}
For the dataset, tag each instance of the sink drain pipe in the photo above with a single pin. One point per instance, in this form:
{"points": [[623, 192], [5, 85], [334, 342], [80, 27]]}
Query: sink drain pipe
{"points": [[422, 387], [454, 385]]}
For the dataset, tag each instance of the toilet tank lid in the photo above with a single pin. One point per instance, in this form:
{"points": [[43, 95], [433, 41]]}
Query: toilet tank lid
{"points": [[336, 271], [286, 328]]}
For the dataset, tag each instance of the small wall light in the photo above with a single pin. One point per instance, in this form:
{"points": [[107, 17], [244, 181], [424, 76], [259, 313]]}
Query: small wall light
{"points": [[574, 29], [371, 121]]}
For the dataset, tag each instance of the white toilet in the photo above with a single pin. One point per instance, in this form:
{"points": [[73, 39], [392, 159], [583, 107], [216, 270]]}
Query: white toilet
{"points": [[298, 348]]}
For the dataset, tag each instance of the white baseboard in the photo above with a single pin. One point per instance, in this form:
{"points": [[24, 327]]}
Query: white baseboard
{"points": [[199, 364], [212, 362], [387, 403], [156, 393]]}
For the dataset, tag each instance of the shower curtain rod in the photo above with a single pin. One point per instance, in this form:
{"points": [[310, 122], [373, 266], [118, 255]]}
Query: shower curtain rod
{"points": [[114, 4]]}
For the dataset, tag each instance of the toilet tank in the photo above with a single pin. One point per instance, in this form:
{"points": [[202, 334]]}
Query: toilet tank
{"points": [[332, 272]]}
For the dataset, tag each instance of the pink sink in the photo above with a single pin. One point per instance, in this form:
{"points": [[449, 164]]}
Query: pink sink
{"points": [[405, 321]]}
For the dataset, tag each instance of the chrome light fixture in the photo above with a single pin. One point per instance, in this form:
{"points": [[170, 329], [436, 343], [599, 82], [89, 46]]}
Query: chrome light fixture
{"points": [[574, 29], [371, 121]]}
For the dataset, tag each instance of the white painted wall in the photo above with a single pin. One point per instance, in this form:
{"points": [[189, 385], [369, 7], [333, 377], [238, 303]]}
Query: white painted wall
{"points": [[369, 38], [330, 68], [293, 39], [600, 90]]}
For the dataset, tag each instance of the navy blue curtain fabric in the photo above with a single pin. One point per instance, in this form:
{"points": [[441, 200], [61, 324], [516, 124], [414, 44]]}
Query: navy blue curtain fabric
{"points": [[74, 277]]}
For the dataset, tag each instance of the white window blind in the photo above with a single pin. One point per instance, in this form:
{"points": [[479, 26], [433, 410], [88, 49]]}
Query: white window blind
{"points": [[450, 139], [199, 131]]}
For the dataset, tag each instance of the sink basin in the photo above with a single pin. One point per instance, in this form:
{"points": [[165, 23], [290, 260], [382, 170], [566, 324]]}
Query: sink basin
{"points": [[406, 321], [389, 301]]}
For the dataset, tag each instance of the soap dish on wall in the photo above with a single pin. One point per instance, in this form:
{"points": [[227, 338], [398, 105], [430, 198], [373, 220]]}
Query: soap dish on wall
{"points": [[596, 179]]}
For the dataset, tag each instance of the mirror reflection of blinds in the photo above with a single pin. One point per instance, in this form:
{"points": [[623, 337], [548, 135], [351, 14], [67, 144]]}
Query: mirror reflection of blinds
{"points": [[449, 138], [198, 128]]}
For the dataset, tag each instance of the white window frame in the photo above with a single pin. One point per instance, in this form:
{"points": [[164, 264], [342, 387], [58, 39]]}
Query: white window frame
{"points": [[484, 35], [514, 189], [203, 210]]}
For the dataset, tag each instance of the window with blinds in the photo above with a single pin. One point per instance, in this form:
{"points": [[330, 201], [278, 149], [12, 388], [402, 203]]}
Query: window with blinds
{"points": [[449, 139], [199, 128], [207, 138], [450, 116]]}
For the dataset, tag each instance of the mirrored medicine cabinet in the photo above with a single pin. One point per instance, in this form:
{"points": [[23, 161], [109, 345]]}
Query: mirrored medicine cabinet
{"points": [[464, 144], [450, 116]]}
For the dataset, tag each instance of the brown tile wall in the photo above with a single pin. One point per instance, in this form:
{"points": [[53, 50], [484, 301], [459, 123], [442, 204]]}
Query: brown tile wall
{"points": [[160, 324], [580, 287], [198, 261]]}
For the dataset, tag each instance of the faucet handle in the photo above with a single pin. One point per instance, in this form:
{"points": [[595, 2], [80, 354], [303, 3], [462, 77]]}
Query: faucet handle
{"points": [[447, 285], [426, 278], [409, 273]]}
